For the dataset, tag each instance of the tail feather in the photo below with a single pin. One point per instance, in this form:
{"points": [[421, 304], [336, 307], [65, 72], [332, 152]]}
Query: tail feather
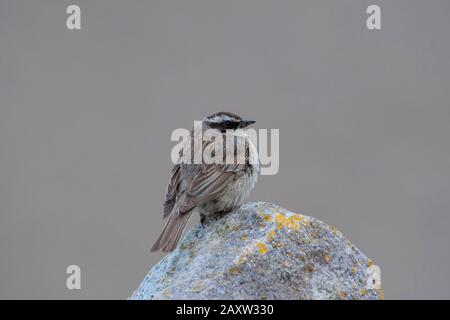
{"points": [[172, 232]]}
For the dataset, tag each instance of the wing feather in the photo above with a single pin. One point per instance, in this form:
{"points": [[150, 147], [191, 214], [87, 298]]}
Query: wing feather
{"points": [[210, 180], [171, 191]]}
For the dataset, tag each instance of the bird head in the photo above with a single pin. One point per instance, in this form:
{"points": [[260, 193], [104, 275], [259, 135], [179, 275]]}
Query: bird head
{"points": [[223, 121]]}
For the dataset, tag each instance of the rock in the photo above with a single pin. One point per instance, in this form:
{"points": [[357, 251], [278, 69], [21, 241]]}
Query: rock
{"points": [[261, 251]]}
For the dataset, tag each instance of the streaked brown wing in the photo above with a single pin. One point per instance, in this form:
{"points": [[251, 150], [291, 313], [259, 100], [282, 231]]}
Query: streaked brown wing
{"points": [[209, 181], [171, 191]]}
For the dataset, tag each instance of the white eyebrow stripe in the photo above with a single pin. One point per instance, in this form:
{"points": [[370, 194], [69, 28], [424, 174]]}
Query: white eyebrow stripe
{"points": [[217, 119]]}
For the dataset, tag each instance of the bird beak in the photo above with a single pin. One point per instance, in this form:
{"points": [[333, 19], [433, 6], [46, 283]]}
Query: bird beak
{"points": [[246, 123]]}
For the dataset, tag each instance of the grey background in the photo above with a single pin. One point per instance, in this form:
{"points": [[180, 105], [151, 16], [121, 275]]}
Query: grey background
{"points": [[86, 118]]}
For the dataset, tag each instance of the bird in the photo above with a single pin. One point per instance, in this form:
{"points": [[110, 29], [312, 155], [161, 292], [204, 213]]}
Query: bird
{"points": [[209, 188]]}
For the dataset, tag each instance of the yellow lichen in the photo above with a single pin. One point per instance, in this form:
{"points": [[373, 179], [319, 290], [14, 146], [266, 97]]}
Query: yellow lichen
{"points": [[244, 237], [297, 218], [271, 235], [267, 217], [362, 292], [327, 258], [281, 221], [354, 270], [292, 222], [262, 248], [369, 263]]}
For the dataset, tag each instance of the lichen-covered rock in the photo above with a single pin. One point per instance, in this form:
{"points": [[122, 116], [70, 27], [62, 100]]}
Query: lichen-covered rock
{"points": [[261, 251]]}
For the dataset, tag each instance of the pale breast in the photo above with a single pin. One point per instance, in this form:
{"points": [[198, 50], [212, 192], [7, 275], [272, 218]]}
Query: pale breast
{"points": [[239, 189]]}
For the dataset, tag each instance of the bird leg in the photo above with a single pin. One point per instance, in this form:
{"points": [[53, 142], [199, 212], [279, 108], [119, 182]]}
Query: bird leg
{"points": [[202, 220]]}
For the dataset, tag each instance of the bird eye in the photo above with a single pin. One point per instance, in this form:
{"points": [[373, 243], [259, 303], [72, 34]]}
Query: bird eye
{"points": [[229, 124]]}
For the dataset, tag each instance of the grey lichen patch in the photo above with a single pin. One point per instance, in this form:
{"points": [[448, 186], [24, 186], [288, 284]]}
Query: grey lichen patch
{"points": [[261, 251]]}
